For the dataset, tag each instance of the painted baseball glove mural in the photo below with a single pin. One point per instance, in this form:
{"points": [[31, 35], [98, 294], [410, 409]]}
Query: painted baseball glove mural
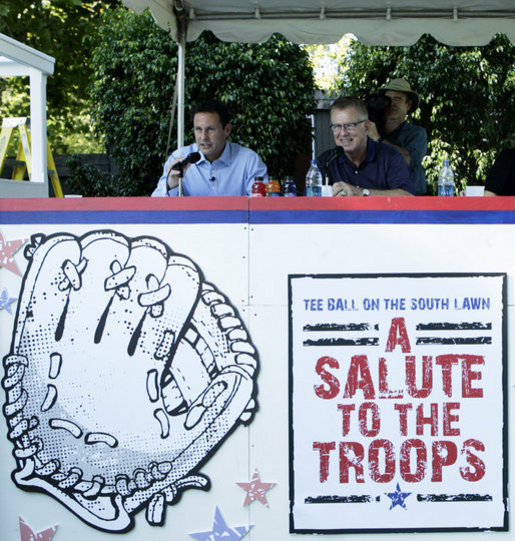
{"points": [[126, 371]]}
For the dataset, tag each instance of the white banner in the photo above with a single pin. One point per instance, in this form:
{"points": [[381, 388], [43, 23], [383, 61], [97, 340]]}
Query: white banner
{"points": [[397, 403]]}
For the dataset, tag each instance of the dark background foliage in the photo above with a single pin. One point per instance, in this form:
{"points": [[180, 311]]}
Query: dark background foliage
{"points": [[268, 87], [63, 29]]}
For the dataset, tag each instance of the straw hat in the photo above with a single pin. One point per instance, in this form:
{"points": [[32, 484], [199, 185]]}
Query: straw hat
{"points": [[401, 85]]}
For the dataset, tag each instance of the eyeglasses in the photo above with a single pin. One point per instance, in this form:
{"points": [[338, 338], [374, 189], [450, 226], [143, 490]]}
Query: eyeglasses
{"points": [[350, 126]]}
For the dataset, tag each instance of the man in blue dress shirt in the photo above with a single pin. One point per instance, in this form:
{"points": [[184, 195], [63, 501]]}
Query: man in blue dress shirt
{"points": [[224, 168], [360, 166]]}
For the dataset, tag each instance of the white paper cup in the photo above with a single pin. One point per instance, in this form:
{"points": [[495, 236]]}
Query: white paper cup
{"points": [[327, 190], [474, 191]]}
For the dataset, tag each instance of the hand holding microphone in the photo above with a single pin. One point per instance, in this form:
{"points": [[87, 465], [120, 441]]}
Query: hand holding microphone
{"points": [[193, 157], [179, 166]]}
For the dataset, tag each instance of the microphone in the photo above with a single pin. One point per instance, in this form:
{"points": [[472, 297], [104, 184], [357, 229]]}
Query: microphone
{"points": [[333, 155], [336, 153], [194, 157]]}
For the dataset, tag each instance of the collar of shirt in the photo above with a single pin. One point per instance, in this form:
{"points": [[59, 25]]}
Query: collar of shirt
{"points": [[369, 156], [397, 129], [224, 159]]}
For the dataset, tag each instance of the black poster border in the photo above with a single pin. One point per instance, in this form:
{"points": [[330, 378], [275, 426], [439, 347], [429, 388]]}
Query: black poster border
{"points": [[505, 526]]}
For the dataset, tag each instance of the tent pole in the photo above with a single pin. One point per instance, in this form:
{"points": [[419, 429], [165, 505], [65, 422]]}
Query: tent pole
{"points": [[182, 30], [181, 52]]}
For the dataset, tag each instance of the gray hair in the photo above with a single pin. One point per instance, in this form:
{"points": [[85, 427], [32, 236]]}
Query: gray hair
{"points": [[345, 102]]}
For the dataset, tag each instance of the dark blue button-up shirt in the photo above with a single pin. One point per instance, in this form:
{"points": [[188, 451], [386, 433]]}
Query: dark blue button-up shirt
{"points": [[384, 168]]}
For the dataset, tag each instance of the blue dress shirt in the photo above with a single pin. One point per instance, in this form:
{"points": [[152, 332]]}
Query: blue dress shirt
{"points": [[233, 173]]}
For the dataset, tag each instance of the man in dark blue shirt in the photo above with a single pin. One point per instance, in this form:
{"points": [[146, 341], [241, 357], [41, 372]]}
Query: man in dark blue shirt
{"points": [[501, 177], [359, 166]]}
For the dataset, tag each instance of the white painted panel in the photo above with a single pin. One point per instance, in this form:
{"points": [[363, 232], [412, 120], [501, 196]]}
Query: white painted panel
{"points": [[278, 250], [239, 262], [221, 253]]}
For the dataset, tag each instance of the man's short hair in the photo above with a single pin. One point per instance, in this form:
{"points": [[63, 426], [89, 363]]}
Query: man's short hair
{"points": [[344, 102], [213, 106]]}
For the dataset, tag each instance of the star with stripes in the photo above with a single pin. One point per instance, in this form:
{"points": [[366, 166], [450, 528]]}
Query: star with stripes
{"points": [[222, 531], [26, 533], [398, 497], [7, 250], [256, 490]]}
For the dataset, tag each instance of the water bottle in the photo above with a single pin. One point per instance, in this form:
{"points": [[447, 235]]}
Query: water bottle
{"points": [[314, 180], [446, 180]]}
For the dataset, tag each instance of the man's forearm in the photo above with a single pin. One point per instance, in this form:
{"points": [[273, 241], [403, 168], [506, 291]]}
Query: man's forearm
{"points": [[344, 189], [404, 151]]}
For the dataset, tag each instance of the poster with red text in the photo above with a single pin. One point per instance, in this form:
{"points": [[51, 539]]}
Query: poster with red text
{"points": [[398, 403]]}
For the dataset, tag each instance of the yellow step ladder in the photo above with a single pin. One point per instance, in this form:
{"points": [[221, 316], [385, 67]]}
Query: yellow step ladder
{"points": [[23, 157]]}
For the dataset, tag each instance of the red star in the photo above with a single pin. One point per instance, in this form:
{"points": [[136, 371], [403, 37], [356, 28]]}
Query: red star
{"points": [[256, 490], [7, 250], [26, 533]]}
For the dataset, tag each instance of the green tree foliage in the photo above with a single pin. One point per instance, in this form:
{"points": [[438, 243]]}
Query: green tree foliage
{"points": [[132, 88], [467, 94], [268, 88], [62, 29]]}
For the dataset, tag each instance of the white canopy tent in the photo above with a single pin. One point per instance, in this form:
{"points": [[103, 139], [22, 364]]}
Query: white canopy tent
{"points": [[373, 22], [19, 60]]}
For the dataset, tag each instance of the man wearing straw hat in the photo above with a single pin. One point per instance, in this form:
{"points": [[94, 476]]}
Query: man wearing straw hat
{"points": [[409, 139]]}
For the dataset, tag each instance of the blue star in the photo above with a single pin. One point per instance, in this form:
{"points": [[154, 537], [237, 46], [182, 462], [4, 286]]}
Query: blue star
{"points": [[5, 301], [398, 497], [222, 531]]}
